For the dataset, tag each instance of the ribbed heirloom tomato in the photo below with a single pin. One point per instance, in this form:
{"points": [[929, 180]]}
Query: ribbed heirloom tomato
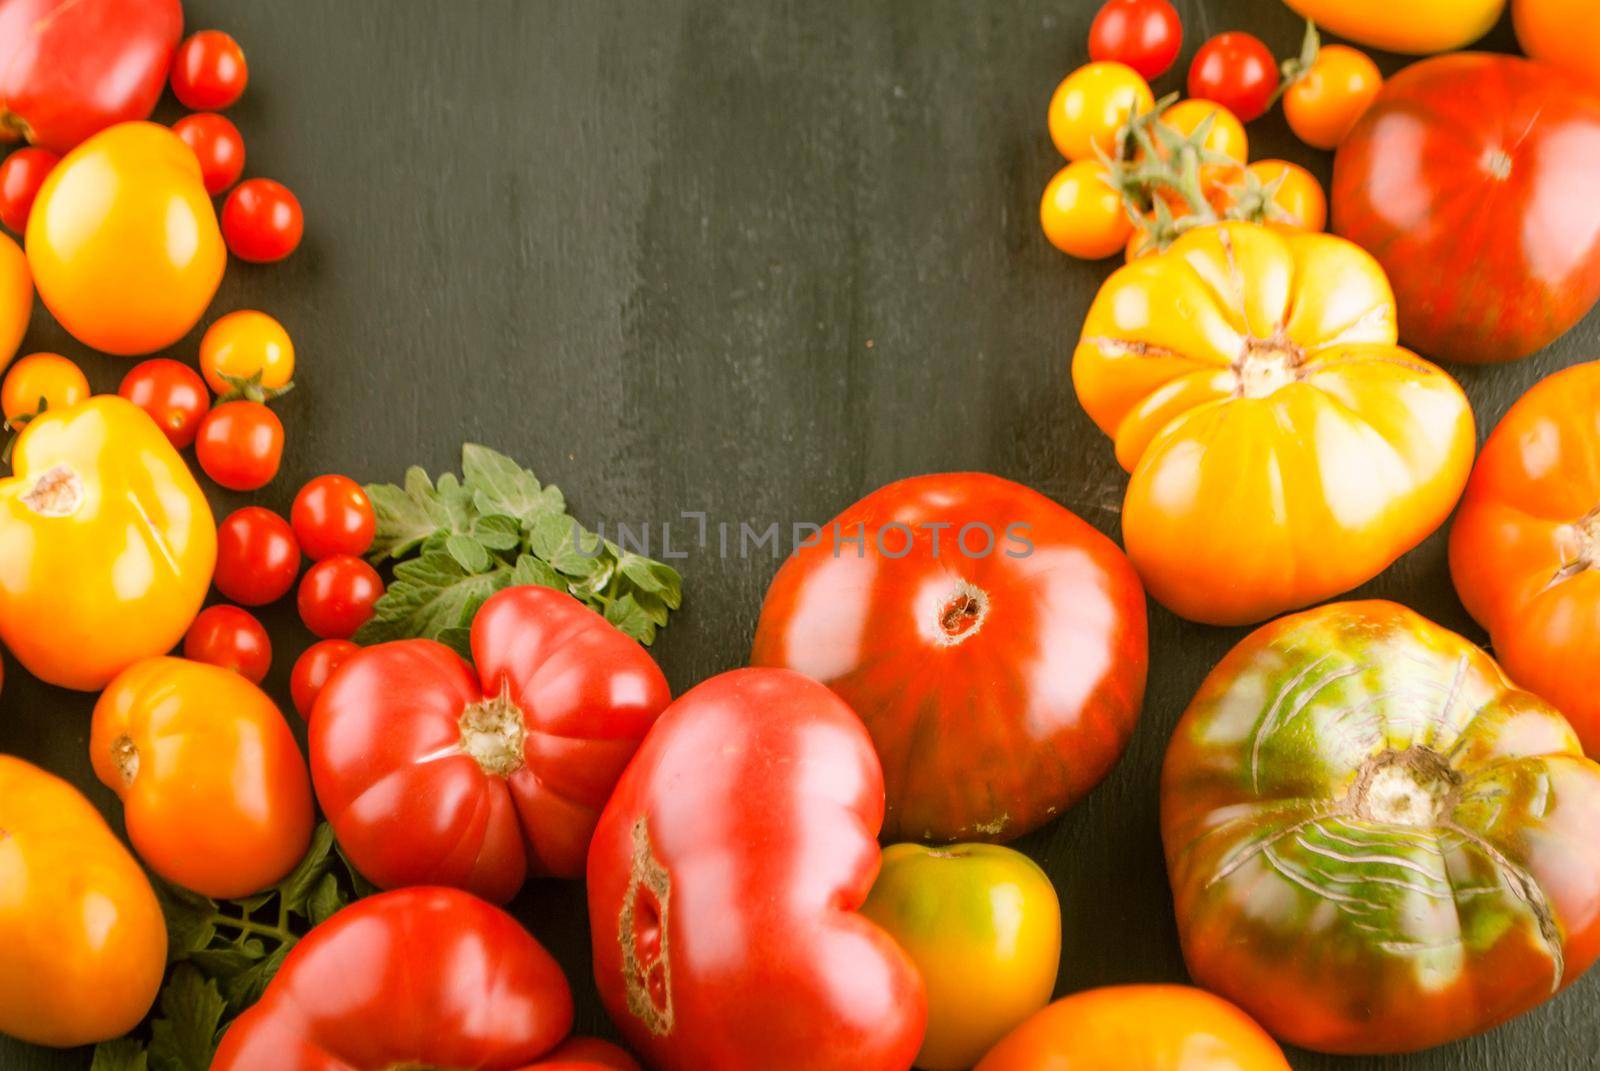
{"points": [[1376, 843]]}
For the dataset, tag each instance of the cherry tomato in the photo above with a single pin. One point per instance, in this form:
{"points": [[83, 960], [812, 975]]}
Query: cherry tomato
{"points": [[172, 393], [1082, 214], [1144, 34], [336, 596], [257, 557], [209, 72], [240, 445], [1324, 102], [21, 175], [1299, 197], [247, 353], [312, 670], [232, 638], [217, 145], [1237, 71], [262, 221], [40, 382], [332, 515], [1225, 135], [1092, 105]]}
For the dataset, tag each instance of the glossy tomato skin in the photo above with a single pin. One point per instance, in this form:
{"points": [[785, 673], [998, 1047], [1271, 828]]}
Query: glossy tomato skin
{"points": [[1417, 26], [240, 445], [262, 221], [1469, 179], [16, 298], [231, 638], [218, 146], [1144, 34], [587, 1054], [1237, 71], [337, 596], [247, 349], [209, 72], [21, 175], [1376, 843], [993, 643], [1562, 33], [257, 557], [39, 383], [764, 849], [539, 733], [420, 977], [173, 395], [332, 515], [313, 669]]}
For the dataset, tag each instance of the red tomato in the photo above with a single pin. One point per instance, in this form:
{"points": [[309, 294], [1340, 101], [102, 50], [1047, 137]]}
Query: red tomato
{"points": [[536, 738], [992, 642], [232, 638], [332, 515], [312, 670], [1237, 71], [422, 977], [336, 596], [262, 221], [1144, 34], [172, 393], [218, 146], [21, 175], [257, 557], [587, 1054], [240, 445], [724, 882], [209, 72]]}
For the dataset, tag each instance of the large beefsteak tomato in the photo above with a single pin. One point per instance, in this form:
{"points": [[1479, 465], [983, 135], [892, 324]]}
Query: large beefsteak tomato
{"points": [[435, 773], [1471, 179], [993, 643], [724, 882], [1376, 843]]}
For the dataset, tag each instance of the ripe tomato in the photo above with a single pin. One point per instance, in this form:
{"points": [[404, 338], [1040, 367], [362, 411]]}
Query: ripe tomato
{"points": [[312, 670], [240, 445], [1299, 196], [262, 221], [587, 1054], [39, 383], [232, 638], [1237, 71], [1376, 844], [1225, 134], [1525, 550], [337, 595], [16, 298], [1082, 214], [213, 787], [218, 146], [172, 393], [983, 925], [992, 642], [21, 175], [332, 515], [1092, 105], [1143, 34], [1562, 33], [1154, 1027], [249, 354], [1324, 101], [1416, 26], [257, 557], [209, 72]]}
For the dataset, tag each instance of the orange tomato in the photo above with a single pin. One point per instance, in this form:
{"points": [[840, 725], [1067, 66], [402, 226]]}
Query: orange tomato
{"points": [[38, 383], [1562, 33], [1226, 134], [1324, 102], [123, 240], [247, 349], [1419, 27], [1094, 103], [85, 943], [1148, 1027], [16, 298], [1283, 448], [215, 792], [1300, 196], [1082, 214]]}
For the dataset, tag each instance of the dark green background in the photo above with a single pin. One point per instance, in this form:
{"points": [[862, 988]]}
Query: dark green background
{"points": [[743, 256]]}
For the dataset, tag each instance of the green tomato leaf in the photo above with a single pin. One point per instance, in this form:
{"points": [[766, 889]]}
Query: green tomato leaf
{"points": [[123, 1054], [500, 485], [531, 570], [184, 1037], [468, 553], [630, 618], [418, 512], [458, 638], [498, 532], [296, 888], [245, 988], [189, 920], [326, 899], [428, 595], [227, 961]]}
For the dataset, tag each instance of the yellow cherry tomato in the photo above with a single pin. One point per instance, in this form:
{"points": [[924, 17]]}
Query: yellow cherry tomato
{"points": [[1325, 102], [247, 349], [38, 383], [1299, 197], [16, 298], [1562, 33], [85, 944], [983, 925], [123, 240], [1092, 104], [106, 543], [1418, 27], [1226, 135], [1082, 214]]}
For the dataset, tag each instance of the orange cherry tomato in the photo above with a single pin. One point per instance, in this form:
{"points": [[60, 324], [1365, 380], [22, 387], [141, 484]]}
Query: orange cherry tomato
{"points": [[1082, 214], [247, 353], [1300, 196], [1324, 102], [1094, 103], [1226, 134], [1562, 33], [16, 298], [39, 383], [214, 789]]}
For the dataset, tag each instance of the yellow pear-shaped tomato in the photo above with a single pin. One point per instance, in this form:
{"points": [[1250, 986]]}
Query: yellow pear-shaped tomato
{"points": [[123, 240], [83, 937], [16, 298], [106, 544], [1415, 26], [1283, 448]]}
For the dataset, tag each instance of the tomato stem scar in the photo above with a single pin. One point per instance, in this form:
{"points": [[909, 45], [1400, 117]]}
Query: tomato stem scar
{"points": [[125, 754], [963, 613], [1414, 787], [643, 934], [56, 493], [492, 732]]}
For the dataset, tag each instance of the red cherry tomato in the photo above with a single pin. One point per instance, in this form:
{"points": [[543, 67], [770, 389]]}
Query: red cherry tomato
{"points": [[21, 175], [218, 146], [172, 393], [232, 638], [332, 515], [257, 557], [262, 221], [312, 670], [1237, 71], [336, 596], [240, 445], [1143, 34], [209, 72]]}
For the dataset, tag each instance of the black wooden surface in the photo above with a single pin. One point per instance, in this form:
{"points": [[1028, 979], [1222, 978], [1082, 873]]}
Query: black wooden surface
{"points": [[749, 257]]}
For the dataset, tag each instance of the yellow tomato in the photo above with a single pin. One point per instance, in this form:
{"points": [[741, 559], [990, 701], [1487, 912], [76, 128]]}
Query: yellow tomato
{"points": [[247, 349], [983, 925], [106, 544], [83, 937], [1226, 135], [16, 298], [1092, 104], [1082, 214], [38, 383], [1418, 27], [1562, 33], [1325, 102], [123, 240], [1299, 196]]}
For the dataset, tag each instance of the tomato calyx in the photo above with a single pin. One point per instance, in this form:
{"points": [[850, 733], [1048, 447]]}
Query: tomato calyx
{"points": [[1414, 787], [57, 493], [1267, 365], [1583, 547], [643, 935], [962, 614], [1295, 68], [492, 733], [251, 389], [16, 125]]}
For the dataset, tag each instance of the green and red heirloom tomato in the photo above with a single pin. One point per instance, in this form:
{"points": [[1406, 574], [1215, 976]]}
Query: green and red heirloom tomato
{"points": [[1377, 843], [1470, 178], [421, 977], [434, 772], [724, 882], [993, 643]]}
